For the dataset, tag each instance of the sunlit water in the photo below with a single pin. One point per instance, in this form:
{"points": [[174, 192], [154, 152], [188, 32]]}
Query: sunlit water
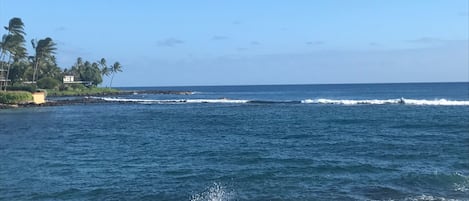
{"points": [[303, 142]]}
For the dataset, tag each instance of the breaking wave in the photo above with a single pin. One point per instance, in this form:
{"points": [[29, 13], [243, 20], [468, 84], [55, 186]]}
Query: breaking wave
{"points": [[150, 101], [387, 101], [436, 102]]}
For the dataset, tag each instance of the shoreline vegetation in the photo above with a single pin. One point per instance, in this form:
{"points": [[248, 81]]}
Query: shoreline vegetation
{"points": [[27, 78], [23, 99], [110, 91]]}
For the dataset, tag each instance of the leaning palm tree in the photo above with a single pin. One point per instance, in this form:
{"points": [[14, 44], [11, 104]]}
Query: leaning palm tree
{"points": [[116, 67], [14, 46], [104, 69], [14, 39], [3, 52], [15, 26], [44, 48], [12, 43]]}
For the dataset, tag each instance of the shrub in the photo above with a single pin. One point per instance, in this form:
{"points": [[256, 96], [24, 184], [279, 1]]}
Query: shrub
{"points": [[30, 88], [15, 97], [48, 83], [78, 87]]}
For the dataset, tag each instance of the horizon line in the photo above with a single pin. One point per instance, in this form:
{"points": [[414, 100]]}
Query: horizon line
{"points": [[299, 84]]}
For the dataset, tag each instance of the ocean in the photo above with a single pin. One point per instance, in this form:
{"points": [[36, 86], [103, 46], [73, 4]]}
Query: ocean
{"points": [[221, 143]]}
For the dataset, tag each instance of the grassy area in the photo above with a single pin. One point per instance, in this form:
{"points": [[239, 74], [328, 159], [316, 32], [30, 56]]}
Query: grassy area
{"points": [[94, 91], [15, 97]]}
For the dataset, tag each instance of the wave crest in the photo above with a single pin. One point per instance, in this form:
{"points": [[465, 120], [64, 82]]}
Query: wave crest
{"points": [[150, 101], [436, 102], [387, 101]]}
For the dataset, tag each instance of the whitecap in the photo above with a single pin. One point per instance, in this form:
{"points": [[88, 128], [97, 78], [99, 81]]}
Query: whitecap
{"points": [[435, 102], [438, 102], [149, 101], [223, 100], [216, 192]]}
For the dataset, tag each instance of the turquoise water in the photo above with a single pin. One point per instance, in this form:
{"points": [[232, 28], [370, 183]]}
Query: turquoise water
{"points": [[290, 142]]}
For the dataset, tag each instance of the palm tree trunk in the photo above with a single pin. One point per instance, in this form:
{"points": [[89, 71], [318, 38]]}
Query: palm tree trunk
{"points": [[36, 64], [2, 56], [110, 85], [8, 73]]}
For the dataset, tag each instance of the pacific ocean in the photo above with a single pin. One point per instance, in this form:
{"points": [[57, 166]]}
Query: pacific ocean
{"points": [[272, 142]]}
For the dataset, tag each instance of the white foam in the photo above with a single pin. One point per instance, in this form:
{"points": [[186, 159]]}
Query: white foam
{"points": [[215, 193], [387, 101], [216, 101], [149, 101], [351, 102], [127, 100], [462, 186], [435, 102]]}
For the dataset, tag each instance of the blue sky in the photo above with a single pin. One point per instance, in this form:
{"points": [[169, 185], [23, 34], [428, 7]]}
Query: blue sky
{"points": [[213, 42]]}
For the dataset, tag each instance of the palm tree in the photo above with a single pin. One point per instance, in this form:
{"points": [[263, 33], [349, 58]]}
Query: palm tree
{"points": [[15, 26], [12, 44], [104, 69], [45, 48], [14, 39], [77, 68], [116, 67]]}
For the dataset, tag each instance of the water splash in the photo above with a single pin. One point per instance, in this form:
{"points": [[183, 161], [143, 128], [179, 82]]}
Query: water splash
{"points": [[216, 192], [463, 186]]}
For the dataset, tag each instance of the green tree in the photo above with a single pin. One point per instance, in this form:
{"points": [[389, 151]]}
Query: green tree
{"points": [[15, 26], [95, 74], [20, 71], [12, 44], [77, 68], [115, 68], [48, 83], [87, 71], [44, 49], [105, 71], [49, 68]]}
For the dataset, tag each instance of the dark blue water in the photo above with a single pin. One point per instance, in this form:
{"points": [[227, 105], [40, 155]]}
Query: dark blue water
{"points": [[258, 143]]}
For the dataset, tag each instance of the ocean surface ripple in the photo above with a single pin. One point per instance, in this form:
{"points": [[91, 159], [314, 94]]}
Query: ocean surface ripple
{"points": [[237, 149]]}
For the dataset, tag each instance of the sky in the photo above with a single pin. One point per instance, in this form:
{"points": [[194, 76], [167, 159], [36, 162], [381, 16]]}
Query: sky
{"points": [[245, 42]]}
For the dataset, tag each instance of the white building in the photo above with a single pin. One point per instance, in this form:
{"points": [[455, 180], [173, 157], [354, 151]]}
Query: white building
{"points": [[69, 79]]}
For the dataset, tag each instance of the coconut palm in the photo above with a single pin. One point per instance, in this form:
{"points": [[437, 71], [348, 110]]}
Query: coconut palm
{"points": [[12, 44], [116, 67], [15, 26], [44, 48], [104, 69]]}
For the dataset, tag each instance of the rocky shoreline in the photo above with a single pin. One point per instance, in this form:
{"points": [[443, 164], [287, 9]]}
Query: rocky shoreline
{"points": [[130, 92], [85, 99]]}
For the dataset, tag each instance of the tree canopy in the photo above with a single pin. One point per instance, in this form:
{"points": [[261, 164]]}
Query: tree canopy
{"points": [[19, 68]]}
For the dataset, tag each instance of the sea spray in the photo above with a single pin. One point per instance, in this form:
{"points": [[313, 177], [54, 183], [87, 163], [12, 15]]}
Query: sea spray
{"points": [[216, 192]]}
